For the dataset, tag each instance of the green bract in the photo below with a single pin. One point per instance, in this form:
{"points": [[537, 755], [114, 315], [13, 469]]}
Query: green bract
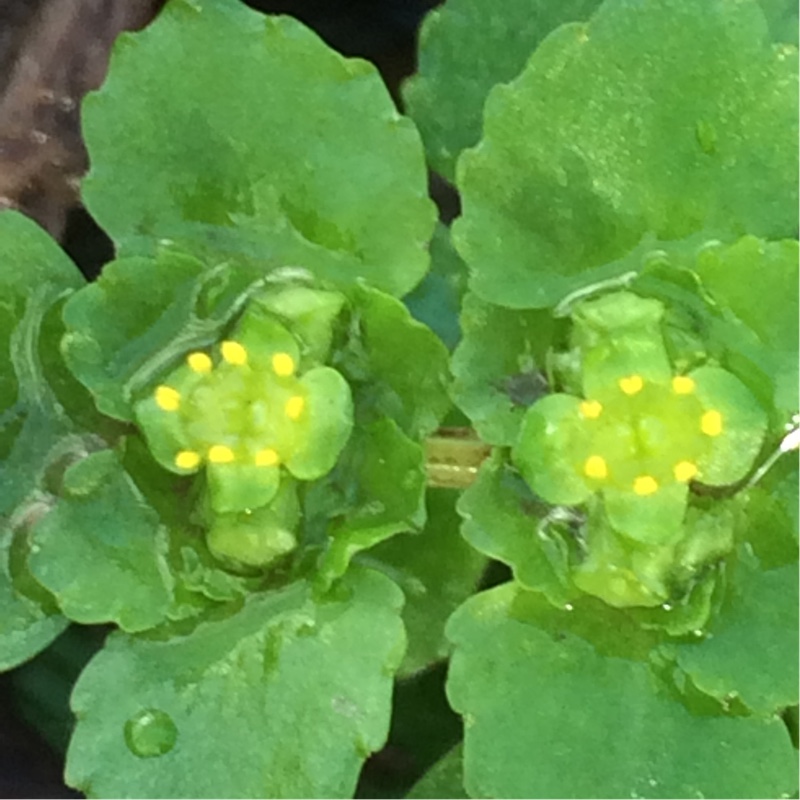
{"points": [[637, 436], [244, 410]]}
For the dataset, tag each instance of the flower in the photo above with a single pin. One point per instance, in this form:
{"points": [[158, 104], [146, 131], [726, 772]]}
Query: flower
{"points": [[639, 434], [247, 409]]}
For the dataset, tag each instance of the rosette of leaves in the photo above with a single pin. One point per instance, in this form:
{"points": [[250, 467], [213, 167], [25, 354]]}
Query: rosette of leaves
{"points": [[679, 589], [245, 414], [285, 418]]}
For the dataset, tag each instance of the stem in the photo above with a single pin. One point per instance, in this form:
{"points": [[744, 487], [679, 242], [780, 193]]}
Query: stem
{"points": [[452, 457]]}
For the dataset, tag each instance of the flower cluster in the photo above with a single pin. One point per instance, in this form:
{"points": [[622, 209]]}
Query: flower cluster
{"points": [[250, 409], [640, 434]]}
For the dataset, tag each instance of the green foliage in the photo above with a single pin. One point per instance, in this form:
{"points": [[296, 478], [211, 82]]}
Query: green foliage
{"points": [[228, 446], [467, 47], [261, 152], [102, 551], [651, 122], [36, 433], [291, 694], [588, 722], [436, 575]]}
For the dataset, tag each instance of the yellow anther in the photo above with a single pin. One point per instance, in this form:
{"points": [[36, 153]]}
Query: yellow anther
{"points": [[632, 384], [684, 471], [199, 362], [167, 398], [711, 423], [591, 409], [266, 458], [234, 353], [220, 454], [682, 384], [283, 364], [644, 485], [596, 467], [294, 407], [187, 459]]}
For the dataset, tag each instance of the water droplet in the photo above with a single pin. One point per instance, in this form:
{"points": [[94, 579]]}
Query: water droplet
{"points": [[667, 607], [568, 607], [652, 781], [698, 633], [150, 733]]}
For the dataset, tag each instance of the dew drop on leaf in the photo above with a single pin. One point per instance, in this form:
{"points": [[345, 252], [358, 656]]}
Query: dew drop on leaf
{"points": [[150, 733]]}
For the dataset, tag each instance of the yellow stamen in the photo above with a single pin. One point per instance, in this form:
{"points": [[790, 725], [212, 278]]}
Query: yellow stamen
{"points": [[220, 454], [234, 353], [283, 364], [199, 362], [595, 467], [645, 485], [294, 407], [682, 384], [187, 459], [167, 398], [591, 409], [266, 458], [632, 384], [711, 423], [684, 471]]}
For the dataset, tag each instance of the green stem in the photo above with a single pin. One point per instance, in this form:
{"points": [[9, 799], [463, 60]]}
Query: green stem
{"points": [[452, 457]]}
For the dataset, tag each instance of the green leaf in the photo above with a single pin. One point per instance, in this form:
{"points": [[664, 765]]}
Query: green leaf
{"points": [[326, 424], [35, 430], [503, 520], [750, 651], [437, 570], [654, 519], [142, 315], [547, 715], [29, 619], [619, 335], [290, 694], [308, 313], [652, 122], [272, 149], [400, 364], [102, 550], [497, 366], [444, 779], [782, 19], [466, 47], [743, 423], [552, 449], [771, 516], [30, 258], [768, 306], [376, 490], [256, 538]]}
